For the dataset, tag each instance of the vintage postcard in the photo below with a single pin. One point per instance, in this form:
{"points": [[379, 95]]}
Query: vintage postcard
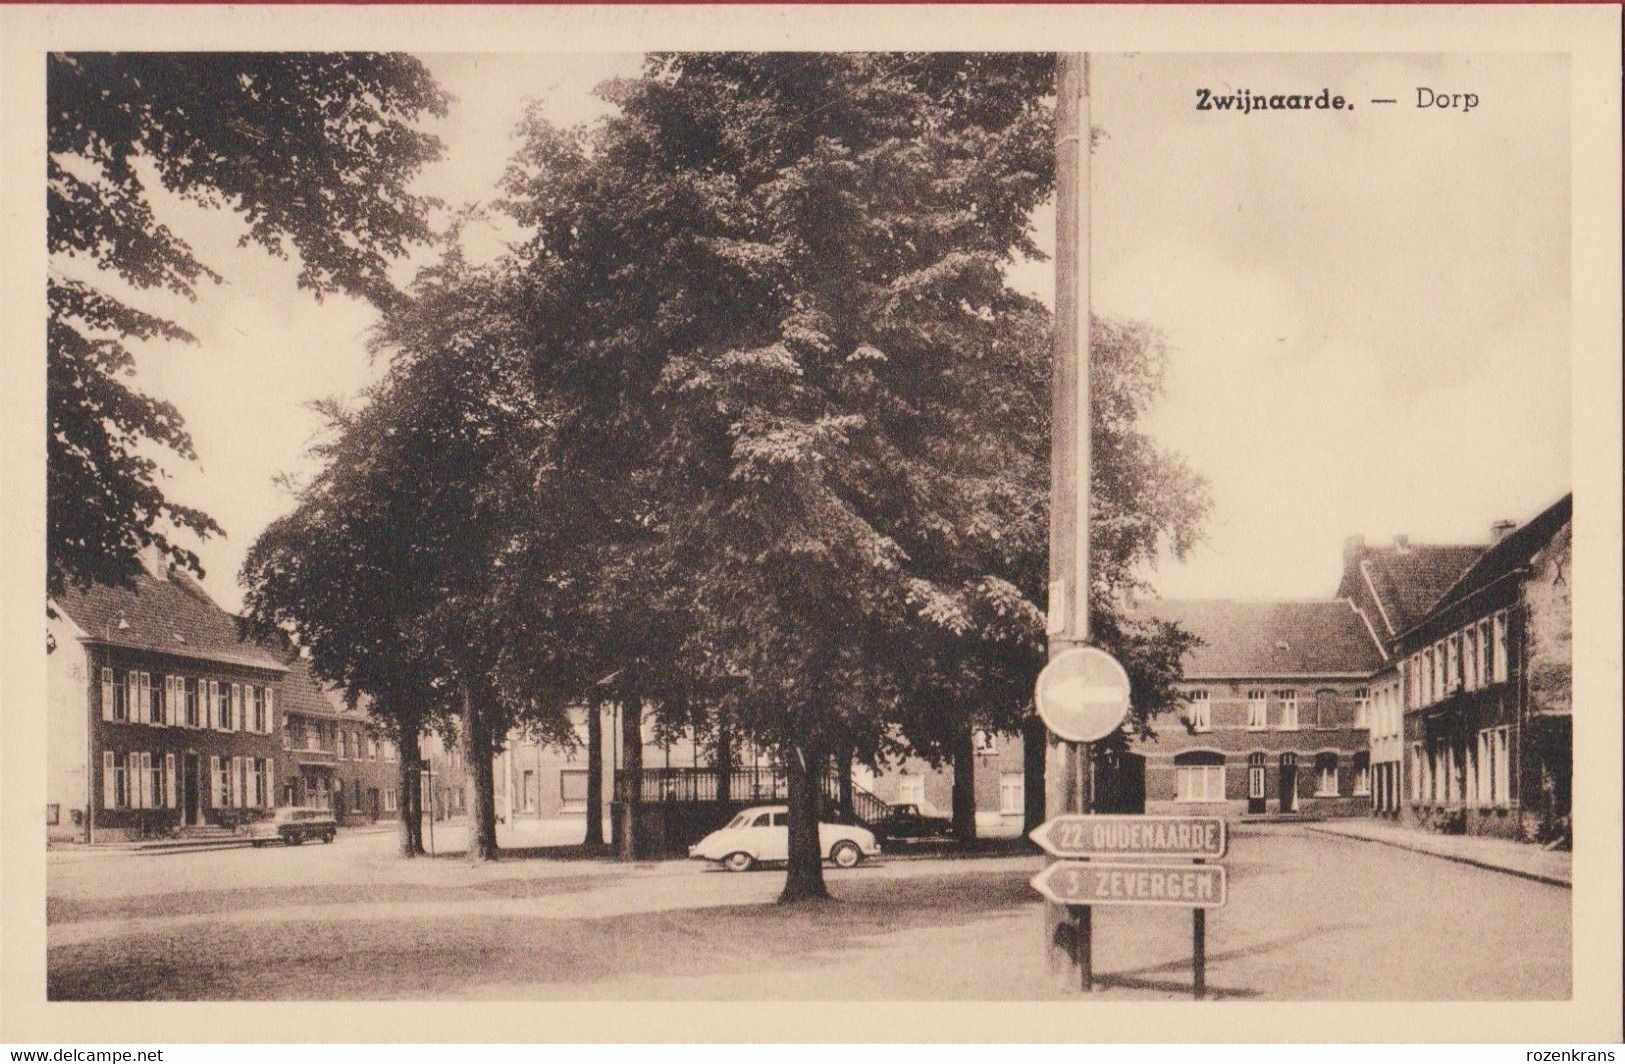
{"points": [[807, 520]]}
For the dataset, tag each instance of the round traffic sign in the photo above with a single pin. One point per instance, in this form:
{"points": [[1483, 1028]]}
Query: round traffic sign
{"points": [[1082, 695]]}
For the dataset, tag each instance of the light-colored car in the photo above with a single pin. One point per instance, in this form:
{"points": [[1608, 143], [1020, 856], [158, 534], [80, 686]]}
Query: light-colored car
{"points": [[762, 833], [292, 825]]}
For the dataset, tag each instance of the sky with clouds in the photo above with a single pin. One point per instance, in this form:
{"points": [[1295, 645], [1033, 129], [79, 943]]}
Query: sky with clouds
{"points": [[1367, 311]]}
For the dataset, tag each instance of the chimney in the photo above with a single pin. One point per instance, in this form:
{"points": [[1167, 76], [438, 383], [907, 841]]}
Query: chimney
{"points": [[1353, 547], [1499, 529], [154, 561]]}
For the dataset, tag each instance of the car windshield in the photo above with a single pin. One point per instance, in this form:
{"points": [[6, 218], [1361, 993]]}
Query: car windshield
{"points": [[737, 822]]}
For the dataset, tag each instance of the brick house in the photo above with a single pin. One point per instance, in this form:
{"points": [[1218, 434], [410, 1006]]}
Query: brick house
{"points": [[1486, 682], [1276, 710], [1393, 588], [331, 754], [161, 716]]}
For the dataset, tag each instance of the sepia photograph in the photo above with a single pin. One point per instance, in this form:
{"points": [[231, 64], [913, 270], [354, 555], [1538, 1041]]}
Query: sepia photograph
{"points": [[812, 525]]}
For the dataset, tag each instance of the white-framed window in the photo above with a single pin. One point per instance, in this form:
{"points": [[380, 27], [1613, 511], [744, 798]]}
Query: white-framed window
{"points": [[1362, 774], [190, 689], [1418, 773], [152, 769], [1495, 766], [1012, 794], [1362, 707], [372, 748], [389, 800], [1501, 647], [1201, 710], [222, 782], [1452, 663], [344, 744], [1486, 651], [911, 788], [1288, 697], [1326, 775], [226, 707], [1257, 710], [1199, 777], [1470, 658]]}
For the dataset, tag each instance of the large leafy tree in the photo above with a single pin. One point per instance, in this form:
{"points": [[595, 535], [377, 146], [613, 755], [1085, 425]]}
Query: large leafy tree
{"points": [[772, 290], [314, 152], [394, 567]]}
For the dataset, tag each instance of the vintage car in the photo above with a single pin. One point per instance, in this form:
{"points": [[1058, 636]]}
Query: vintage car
{"points": [[292, 825], [761, 834], [905, 820]]}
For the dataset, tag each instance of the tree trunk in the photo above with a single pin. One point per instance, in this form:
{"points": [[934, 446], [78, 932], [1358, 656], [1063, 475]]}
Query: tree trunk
{"points": [[482, 827], [843, 778], [411, 787], [1034, 736], [965, 786], [804, 879], [595, 775], [631, 787], [724, 761]]}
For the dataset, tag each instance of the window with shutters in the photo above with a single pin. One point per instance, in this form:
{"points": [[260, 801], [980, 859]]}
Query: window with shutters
{"points": [[224, 707], [153, 765], [190, 694], [259, 708], [222, 781], [1501, 647], [121, 783]]}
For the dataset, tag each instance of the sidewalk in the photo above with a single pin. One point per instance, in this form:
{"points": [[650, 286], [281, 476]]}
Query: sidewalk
{"points": [[1501, 855]]}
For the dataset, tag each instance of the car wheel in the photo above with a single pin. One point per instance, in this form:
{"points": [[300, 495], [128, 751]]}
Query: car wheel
{"points": [[845, 854], [738, 862]]}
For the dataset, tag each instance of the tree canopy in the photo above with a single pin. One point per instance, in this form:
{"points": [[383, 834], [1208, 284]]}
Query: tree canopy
{"points": [[315, 153], [770, 300]]}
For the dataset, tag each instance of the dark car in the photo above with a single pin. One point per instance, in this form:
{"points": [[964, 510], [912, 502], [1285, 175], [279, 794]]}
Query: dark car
{"points": [[905, 821]]}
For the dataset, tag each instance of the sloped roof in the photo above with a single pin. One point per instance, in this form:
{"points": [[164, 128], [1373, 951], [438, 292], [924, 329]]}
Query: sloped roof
{"points": [[1240, 638], [1409, 579], [1516, 548], [302, 692], [169, 613]]}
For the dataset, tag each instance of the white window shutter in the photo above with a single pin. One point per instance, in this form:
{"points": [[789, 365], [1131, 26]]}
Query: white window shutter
{"points": [[270, 709], [270, 782], [107, 694], [107, 779], [146, 698], [146, 780], [239, 708], [169, 780]]}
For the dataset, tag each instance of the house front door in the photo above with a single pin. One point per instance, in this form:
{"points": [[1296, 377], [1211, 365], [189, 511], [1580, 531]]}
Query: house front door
{"points": [[1255, 783], [1289, 783], [189, 790]]}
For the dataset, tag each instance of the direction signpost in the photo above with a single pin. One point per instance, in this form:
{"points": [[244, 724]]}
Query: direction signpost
{"points": [[1078, 882]]}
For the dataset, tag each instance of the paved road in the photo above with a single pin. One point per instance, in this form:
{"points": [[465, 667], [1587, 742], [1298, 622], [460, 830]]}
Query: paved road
{"points": [[1311, 917]]}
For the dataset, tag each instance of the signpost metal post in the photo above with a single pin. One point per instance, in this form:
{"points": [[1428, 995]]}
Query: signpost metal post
{"points": [[1067, 762]]}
